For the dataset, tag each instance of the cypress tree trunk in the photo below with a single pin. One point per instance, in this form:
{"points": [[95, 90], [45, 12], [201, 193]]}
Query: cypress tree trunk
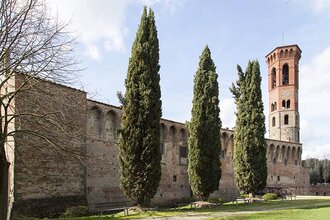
{"points": [[204, 141], [139, 152], [4, 168]]}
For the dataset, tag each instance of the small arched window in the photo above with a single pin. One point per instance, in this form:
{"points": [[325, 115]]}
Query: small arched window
{"points": [[285, 74], [273, 83], [275, 105], [172, 134], [273, 121], [286, 119], [95, 121], [162, 138], [288, 103], [110, 125], [224, 144], [283, 103], [272, 107], [183, 137]]}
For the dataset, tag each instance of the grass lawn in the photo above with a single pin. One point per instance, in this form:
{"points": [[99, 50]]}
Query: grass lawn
{"points": [[302, 208], [301, 214]]}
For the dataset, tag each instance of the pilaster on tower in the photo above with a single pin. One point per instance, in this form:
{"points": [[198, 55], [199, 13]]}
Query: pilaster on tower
{"points": [[283, 85]]}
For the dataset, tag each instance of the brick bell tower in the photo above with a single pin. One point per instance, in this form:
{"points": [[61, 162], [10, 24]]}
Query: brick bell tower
{"points": [[283, 84]]}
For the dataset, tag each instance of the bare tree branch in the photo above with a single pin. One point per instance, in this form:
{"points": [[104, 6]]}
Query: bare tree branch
{"points": [[34, 49]]}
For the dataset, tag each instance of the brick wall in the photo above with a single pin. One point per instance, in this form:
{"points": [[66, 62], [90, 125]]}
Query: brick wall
{"points": [[44, 170]]}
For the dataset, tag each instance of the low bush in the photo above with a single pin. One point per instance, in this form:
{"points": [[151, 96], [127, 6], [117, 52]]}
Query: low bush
{"points": [[216, 200], [76, 211], [269, 196]]}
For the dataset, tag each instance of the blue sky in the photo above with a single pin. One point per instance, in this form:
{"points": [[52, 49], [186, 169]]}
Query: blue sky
{"points": [[236, 32]]}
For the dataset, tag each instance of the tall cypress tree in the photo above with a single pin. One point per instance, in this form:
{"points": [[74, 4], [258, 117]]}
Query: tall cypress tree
{"points": [[204, 142], [139, 153], [249, 140]]}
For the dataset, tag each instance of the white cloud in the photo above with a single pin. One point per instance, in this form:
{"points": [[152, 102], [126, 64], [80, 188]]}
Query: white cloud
{"points": [[315, 102], [99, 24], [317, 6], [320, 5], [321, 152], [92, 51]]}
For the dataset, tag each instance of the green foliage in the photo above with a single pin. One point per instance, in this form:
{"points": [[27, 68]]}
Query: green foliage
{"points": [[139, 153], [204, 142], [76, 211], [314, 177], [250, 145], [269, 196], [121, 97], [319, 170]]}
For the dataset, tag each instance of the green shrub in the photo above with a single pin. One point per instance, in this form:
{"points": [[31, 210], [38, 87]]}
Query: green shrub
{"points": [[76, 211], [216, 200], [269, 196]]}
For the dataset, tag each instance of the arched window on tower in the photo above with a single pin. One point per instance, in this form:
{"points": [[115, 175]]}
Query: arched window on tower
{"points": [[285, 74], [273, 122], [291, 52], [273, 78], [286, 103], [275, 105], [272, 107], [286, 119]]}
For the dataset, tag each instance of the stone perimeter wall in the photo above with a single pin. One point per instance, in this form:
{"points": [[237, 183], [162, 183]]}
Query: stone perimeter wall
{"points": [[283, 161], [46, 178]]}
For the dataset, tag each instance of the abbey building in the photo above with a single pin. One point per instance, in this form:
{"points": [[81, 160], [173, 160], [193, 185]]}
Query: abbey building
{"points": [[45, 179]]}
